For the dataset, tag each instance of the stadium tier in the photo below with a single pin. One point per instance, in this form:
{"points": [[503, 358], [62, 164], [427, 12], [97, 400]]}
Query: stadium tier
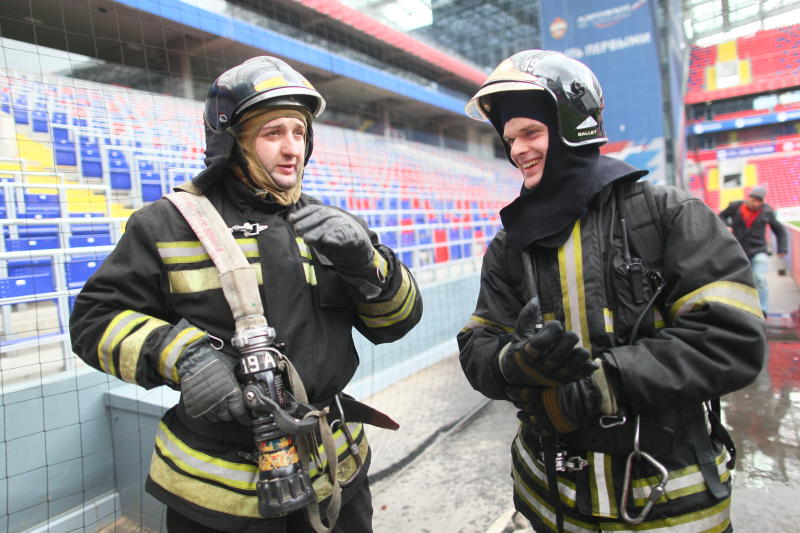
{"points": [[766, 61], [125, 148]]}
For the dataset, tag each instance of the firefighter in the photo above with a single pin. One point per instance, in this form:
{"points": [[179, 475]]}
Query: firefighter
{"points": [[154, 313], [612, 313]]}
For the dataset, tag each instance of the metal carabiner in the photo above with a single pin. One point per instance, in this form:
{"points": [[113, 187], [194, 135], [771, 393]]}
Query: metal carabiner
{"points": [[351, 444], [656, 491]]}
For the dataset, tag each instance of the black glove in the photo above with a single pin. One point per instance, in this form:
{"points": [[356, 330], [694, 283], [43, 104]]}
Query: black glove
{"points": [[335, 234], [564, 409], [547, 358], [209, 389], [531, 409]]}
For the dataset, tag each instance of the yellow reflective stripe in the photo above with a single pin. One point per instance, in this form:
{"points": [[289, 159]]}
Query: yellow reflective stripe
{"points": [[311, 274], [608, 320], [115, 332], [714, 519], [380, 263], [168, 359], [200, 279], [683, 482], [476, 322], [242, 476], [303, 247], [180, 252], [548, 316], [731, 293], [570, 266], [269, 83], [200, 493], [604, 502], [658, 320], [407, 294], [545, 511], [566, 488], [131, 349]]}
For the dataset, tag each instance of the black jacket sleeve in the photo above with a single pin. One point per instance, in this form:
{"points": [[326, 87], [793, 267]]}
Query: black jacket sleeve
{"points": [[491, 325], [715, 341], [118, 324]]}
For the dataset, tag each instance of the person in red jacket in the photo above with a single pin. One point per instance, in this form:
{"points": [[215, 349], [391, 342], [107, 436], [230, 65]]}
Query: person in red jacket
{"points": [[748, 220]]}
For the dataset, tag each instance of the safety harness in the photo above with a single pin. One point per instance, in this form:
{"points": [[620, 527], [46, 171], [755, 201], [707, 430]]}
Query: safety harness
{"points": [[240, 287]]}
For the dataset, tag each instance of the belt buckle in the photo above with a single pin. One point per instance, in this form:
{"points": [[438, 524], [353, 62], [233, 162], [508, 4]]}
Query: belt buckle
{"points": [[565, 463]]}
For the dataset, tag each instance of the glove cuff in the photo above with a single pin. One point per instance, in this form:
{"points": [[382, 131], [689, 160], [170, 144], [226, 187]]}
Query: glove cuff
{"points": [[608, 397], [369, 280], [552, 406], [501, 361]]}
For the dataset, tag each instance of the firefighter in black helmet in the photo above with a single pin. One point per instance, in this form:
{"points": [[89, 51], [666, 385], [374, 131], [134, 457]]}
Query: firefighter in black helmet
{"points": [[612, 313], [155, 313]]}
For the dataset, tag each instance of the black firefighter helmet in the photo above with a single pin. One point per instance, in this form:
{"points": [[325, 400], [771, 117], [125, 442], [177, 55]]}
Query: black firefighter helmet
{"points": [[261, 81], [571, 84]]}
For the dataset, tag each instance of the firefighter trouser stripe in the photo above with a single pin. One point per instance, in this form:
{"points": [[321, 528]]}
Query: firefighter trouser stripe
{"points": [[566, 488]]}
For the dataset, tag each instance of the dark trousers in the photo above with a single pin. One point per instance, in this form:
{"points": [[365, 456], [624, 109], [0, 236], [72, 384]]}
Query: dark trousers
{"points": [[355, 517]]}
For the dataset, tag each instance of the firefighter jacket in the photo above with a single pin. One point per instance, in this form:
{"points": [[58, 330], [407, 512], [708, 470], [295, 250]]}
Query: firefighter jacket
{"points": [[159, 291], [753, 238], [703, 338]]}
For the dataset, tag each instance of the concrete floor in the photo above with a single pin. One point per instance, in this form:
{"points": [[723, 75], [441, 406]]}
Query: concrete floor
{"points": [[459, 481]]}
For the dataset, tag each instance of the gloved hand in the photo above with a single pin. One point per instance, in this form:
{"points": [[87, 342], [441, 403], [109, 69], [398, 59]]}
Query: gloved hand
{"points": [[209, 388], [531, 409], [335, 234], [564, 409], [547, 358]]}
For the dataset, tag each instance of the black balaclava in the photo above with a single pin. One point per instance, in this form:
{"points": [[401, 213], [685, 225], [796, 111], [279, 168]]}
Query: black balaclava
{"points": [[546, 214]]}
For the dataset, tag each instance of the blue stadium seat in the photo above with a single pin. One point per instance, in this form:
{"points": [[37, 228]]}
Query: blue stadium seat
{"points": [[21, 245], [79, 241], [119, 170], [21, 112], [91, 164], [65, 151], [80, 268], [36, 231], [34, 266], [26, 285], [39, 121]]}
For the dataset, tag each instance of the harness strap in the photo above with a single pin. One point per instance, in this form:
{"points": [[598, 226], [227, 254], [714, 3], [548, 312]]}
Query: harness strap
{"points": [[240, 287], [706, 459], [549, 445], [637, 205]]}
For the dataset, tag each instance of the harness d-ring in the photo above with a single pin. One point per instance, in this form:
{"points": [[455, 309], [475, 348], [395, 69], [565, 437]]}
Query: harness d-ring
{"points": [[656, 491]]}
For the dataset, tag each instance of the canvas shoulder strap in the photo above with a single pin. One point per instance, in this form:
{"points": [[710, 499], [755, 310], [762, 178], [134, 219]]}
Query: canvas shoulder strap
{"points": [[240, 286], [637, 205]]}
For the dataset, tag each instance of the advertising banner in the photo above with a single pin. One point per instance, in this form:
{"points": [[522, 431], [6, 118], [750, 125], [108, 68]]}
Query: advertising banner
{"points": [[617, 39]]}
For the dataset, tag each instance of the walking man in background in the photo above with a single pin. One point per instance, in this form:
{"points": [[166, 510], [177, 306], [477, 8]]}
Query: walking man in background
{"points": [[613, 313], [748, 220], [162, 310]]}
